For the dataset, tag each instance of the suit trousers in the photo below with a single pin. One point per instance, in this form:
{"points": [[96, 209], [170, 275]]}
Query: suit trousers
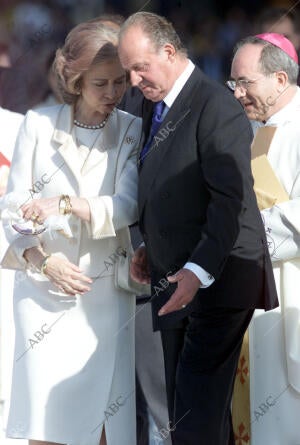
{"points": [[201, 360]]}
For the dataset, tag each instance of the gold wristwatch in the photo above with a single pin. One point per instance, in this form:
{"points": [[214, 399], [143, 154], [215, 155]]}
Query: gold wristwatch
{"points": [[64, 205]]}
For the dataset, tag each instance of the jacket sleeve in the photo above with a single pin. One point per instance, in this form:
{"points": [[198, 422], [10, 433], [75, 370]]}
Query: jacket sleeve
{"points": [[282, 225], [20, 181], [112, 213], [224, 138]]}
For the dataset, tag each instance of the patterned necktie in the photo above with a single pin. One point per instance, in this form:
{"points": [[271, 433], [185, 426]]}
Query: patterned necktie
{"points": [[156, 121]]}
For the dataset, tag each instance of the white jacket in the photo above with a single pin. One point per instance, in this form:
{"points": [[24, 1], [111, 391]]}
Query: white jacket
{"points": [[46, 158]]}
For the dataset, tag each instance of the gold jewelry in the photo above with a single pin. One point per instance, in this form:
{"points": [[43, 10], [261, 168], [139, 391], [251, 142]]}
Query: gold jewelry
{"points": [[34, 216], [39, 222], [64, 205], [44, 265]]}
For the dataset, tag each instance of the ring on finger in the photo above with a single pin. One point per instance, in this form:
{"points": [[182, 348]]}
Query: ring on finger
{"points": [[34, 216], [39, 221]]}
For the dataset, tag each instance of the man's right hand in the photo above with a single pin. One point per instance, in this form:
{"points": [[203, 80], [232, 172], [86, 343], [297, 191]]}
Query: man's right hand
{"points": [[139, 269]]}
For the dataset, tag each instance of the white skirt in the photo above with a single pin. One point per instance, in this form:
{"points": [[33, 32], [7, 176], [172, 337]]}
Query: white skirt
{"points": [[74, 370]]}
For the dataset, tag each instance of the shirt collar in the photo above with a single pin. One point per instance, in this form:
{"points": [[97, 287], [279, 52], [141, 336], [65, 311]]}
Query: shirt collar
{"points": [[286, 113], [179, 84]]}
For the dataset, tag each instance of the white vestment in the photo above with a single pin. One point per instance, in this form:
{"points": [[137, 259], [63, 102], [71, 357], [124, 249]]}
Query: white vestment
{"points": [[275, 335]]}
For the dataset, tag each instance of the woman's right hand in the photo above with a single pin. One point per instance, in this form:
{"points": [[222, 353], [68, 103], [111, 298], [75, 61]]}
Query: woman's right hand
{"points": [[67, 276]]}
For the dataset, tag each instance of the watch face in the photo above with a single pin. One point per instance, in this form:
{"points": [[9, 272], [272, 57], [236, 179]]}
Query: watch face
{"points": [[28, 227]]}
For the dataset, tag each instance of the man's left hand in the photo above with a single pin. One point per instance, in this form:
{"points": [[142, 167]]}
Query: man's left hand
{"points": [[188, 285]]}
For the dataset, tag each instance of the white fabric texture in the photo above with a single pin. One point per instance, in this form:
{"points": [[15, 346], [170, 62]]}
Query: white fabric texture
{"points": [[275, 335], [74, 357], [9, 124]]}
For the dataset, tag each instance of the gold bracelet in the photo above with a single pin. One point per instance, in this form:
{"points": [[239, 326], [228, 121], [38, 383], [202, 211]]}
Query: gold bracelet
{"points": [[64, 205], [44, 265]]}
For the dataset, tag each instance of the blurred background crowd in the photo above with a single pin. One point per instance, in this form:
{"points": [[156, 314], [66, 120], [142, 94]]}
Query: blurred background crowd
{"points": [[30, 32]]}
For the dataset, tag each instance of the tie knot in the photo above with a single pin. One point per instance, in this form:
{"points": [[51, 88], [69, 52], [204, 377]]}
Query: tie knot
{"points": [[159, 108]]}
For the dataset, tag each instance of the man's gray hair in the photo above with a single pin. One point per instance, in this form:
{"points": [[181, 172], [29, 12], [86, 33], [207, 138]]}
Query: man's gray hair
{"points": [[156, 28], [272, 58]]}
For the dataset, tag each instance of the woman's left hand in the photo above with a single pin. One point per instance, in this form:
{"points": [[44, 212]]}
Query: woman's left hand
{"points": [[40, 209]]}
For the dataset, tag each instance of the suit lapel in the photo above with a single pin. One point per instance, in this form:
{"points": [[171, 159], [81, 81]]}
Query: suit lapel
{"points": [[107, 139], [176, 117], [63, 137], [68, 148], [147, 111]]}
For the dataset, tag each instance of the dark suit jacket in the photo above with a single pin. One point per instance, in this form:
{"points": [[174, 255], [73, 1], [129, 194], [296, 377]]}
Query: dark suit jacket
{"points": [[196, 202]]}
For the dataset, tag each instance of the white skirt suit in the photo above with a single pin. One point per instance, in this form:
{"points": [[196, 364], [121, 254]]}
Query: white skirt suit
{"points": [[10, 123], [74, 365]]}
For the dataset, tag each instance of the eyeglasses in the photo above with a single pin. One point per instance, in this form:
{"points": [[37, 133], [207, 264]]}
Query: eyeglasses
{"points": [[242, 84]]}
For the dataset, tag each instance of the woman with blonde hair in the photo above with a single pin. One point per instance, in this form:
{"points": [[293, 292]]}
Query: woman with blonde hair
{"points": [[73, 377]]}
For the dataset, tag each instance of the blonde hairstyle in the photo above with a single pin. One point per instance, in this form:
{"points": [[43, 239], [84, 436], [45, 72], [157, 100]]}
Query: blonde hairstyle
{"points": [[86, 45]]}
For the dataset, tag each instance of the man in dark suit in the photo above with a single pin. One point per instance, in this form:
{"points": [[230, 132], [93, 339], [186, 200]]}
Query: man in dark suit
{"points": [[205, 247], [150, 381]]}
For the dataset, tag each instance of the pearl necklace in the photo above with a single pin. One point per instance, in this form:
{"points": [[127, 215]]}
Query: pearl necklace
{"points": [[90, 127]]}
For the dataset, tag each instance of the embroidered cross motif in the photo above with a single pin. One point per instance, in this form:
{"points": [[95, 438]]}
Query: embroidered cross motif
{"points": [[243, 437], [242, 370]]}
